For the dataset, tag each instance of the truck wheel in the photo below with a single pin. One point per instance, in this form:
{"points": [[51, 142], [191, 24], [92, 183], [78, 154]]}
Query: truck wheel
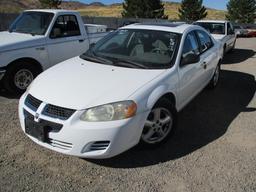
{"points": [[19, 76], [160, 124], [215, 79]]}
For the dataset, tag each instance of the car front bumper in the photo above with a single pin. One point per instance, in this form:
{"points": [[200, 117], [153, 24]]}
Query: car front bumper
{"points": [[78, 138], [2, 72]]}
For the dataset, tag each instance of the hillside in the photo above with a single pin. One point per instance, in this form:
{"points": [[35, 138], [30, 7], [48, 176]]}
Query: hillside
{"points": [[171, 9], [96, 9]]}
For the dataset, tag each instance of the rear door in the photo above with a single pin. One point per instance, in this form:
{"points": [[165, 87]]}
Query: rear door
{"points": [[66, 40]]}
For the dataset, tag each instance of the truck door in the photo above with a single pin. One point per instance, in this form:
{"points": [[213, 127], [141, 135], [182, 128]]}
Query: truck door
{"points": [[66, 40]]}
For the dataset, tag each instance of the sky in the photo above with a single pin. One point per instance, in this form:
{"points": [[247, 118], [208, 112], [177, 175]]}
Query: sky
{"points": [[216, 4]]}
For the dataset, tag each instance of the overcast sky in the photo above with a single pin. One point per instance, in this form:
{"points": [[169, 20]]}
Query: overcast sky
{"points": [[216, 4]]}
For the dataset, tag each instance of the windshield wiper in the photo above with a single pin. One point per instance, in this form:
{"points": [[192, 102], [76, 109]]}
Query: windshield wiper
{"points": [[129, 63], [96, 59]]}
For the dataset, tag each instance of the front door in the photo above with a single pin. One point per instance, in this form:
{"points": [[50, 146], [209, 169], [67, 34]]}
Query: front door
{"points": [[191, 74], [65, 40]]}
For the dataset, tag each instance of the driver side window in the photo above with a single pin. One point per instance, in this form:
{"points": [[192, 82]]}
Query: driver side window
{"points": [[190, 45], [65, 26]]}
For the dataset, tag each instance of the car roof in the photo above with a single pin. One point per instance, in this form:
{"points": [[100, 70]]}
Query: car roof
{"points": [[178, 27], [55, 11], [212, 21]]}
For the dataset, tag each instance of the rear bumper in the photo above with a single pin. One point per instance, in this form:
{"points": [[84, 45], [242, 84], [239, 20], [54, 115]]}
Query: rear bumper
{"points": [[2, 72]]}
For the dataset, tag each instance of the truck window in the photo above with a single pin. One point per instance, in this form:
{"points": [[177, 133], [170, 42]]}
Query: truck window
{"points": [[35, 23], [213, 28], [65, 26]]}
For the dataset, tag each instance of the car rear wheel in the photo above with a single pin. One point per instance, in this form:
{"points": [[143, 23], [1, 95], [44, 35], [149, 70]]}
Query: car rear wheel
{"points": [[19, 76], [160, 124]]}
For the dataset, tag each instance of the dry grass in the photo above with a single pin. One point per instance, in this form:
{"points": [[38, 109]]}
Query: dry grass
{"points": [[171, 9]]}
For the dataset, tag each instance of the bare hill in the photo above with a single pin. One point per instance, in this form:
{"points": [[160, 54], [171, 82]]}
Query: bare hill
{"points": [[96, 8]]}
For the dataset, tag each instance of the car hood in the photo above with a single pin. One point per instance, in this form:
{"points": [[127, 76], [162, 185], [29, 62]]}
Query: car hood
{"points": [[10, 41], [218, 37], [80, 84]]}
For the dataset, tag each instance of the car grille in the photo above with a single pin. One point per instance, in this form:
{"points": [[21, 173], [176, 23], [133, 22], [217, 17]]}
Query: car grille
{"points": [[49, 110], [58, 112], [32, 102]]}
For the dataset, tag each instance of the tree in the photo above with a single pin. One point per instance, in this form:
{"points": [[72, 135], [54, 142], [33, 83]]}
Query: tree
{"points": [[192, 10], [144, 9], [51, 4], [242, 11]]}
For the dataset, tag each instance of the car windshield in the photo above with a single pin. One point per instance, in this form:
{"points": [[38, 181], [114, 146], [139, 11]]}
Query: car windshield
{"points": [[136, 48], [213, 28], [35, 23]]}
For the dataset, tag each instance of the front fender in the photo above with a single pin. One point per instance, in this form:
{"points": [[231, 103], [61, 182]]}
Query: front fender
{"points": [[157, 93], [40, 56]]}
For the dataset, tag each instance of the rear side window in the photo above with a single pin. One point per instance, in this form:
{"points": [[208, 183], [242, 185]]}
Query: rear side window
{"points": [[204, 40], [190, 45], [65, 26]]}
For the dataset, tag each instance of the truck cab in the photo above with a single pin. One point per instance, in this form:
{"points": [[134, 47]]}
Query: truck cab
{"points": [[39, 39]]}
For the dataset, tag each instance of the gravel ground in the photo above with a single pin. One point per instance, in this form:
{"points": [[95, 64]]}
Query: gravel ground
{"points": [[214, 148]]}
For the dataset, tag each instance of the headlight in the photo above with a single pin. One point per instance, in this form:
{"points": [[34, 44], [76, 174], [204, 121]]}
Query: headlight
{"points": [[110, 112]]}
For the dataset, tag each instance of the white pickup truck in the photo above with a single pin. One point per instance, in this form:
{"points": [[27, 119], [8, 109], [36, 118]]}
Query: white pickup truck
{"points": [[222, 31], [37, 40]]}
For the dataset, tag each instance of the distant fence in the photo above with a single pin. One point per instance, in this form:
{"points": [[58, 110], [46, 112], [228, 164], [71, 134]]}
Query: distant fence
{"points": [[115, 22], [112, 22]]}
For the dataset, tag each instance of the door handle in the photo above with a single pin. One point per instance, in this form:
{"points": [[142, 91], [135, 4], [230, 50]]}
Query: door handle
{"points": [[204, 65], [81, 40]]}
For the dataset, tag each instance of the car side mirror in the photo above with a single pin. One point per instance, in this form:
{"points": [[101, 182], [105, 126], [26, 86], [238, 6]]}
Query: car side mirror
{"points": [[190, 58]]}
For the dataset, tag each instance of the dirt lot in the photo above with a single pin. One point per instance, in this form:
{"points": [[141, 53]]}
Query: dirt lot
{"points": [[214, 148]]}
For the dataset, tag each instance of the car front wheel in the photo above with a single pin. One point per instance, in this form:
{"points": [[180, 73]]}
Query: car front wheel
{"points": [[160, 124]]}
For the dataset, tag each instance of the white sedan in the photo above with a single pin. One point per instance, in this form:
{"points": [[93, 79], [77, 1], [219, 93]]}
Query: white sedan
{"points": [[125, 90]]}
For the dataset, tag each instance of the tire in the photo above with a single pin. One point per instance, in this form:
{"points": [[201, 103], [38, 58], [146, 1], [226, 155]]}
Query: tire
{"points": [[215, 79], [156, 131], [19, 76]]}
